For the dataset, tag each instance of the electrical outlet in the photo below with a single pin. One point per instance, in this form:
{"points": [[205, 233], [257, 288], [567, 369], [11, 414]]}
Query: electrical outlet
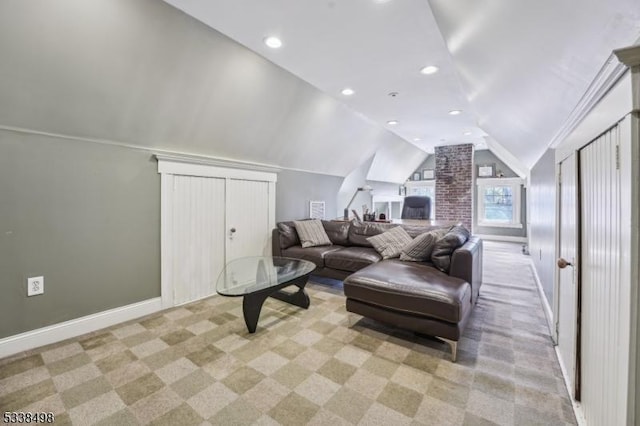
{"points": [[35, 286]]}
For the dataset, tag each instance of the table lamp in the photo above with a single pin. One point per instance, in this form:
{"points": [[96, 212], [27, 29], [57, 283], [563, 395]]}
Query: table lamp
{"points": [[346, 209]]}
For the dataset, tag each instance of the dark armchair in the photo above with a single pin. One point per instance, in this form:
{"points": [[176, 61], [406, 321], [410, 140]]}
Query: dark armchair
{"points": [[416, 207]]}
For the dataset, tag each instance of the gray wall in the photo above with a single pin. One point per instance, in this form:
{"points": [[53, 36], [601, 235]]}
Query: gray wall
{"points": [[144, 73], [295, 189], [542, 220], [85, 216], [428, 163], [486, 157]]}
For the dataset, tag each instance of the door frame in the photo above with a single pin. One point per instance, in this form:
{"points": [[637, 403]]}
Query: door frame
{"points": [[575, 392], [172, 165]]}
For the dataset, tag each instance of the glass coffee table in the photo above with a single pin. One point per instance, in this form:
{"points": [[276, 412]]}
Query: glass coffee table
{"points": [[256, 278]]}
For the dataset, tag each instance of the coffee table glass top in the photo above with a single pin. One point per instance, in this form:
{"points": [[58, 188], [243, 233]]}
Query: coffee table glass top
{"points": [[250, 274]]}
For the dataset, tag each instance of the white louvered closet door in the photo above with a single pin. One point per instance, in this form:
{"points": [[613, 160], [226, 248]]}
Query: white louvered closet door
{"points": [[606, 287], [198, 236], [248, 219]]}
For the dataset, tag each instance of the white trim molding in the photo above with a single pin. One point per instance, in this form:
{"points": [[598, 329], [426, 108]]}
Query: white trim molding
{"points": [[205, 167], [602, 84], [76, 327], [211, 161], [545, 303], [516, 191], [505, 238], [577, 407]]}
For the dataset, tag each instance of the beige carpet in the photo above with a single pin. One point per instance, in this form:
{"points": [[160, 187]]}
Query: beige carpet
{"points": [[198, 365]]}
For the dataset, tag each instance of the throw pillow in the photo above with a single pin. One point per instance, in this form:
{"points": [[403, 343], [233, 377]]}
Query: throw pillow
{"points": [[419, 250], [441, 255], [312, 233], [390, 243]]}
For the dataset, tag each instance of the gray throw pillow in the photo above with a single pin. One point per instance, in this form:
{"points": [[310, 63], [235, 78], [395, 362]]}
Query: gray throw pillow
{"points": [[445, 246], [419, 250], [390, 243], [312, 233]]}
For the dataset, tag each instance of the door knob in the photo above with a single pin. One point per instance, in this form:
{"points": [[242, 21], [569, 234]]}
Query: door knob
{"points": [[562, 263]]}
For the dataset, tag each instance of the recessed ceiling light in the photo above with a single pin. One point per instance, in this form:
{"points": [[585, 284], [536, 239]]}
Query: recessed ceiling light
{"points": [[381, 1], [467, 133], [454, 112], [431, 69], [392, 122], [273, 42], [417, 139], [348, 91]]}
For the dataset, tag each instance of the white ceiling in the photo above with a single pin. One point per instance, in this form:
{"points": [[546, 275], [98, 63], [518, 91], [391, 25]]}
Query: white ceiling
{"points": [[516, 68], [524, 65]]}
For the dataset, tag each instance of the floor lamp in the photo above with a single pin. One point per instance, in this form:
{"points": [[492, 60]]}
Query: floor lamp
{"points": [[366, 188]]}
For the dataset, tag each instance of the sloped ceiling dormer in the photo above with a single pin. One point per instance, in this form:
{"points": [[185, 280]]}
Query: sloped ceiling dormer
{"points": [[525, 65], [514, 69], [203, 82], [143, 73], [377, 49]]}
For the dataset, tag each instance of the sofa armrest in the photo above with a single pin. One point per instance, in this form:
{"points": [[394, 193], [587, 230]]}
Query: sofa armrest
{"points": [[275, 243], [466, 263]]}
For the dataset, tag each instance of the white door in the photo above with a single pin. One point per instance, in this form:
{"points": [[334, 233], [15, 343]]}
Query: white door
{"points": [[198, 236], [201, 204], [248, 225], [606, 287], [566, 306]]}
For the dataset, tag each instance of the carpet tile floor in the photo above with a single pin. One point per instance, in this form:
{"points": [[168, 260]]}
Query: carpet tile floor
{"points": [[198, 365]]}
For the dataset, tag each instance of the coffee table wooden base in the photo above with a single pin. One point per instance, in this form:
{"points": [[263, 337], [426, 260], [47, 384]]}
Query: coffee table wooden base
{"points": [[252, 303]]}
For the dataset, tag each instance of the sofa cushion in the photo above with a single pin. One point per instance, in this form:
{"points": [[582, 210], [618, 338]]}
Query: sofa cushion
{"points": [[419, 250], [360, 231], [312, 254], [411, 287], [338, 232], [441, 255], [312, 233], [288, 235], [390, 243], [351, 258]]}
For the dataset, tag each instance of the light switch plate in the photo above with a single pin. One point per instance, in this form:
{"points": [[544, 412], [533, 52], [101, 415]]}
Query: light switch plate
{"points": [[35, 286]]}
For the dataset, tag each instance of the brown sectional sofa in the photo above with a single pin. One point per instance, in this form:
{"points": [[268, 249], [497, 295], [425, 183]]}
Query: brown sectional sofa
{"points": [[413, 295]]}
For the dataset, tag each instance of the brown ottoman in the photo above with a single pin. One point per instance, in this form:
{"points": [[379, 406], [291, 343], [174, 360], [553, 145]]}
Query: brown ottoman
{"points": [[411, 295]]}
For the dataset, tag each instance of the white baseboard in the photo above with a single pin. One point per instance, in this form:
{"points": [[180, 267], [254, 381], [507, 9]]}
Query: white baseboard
{"points": [[577, 407], [502, 238], [548, 312], [65, 330]]}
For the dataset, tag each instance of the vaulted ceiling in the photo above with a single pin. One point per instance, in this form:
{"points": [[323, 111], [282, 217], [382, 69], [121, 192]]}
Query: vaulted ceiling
{"points": [[515, 68], [143, 73]]}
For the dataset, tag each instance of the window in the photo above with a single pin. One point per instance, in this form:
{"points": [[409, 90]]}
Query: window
{"points": [[427, 188], [499, 202]]}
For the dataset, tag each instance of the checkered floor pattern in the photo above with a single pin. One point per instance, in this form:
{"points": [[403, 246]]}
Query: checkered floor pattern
{"points": [[197, 364]]}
